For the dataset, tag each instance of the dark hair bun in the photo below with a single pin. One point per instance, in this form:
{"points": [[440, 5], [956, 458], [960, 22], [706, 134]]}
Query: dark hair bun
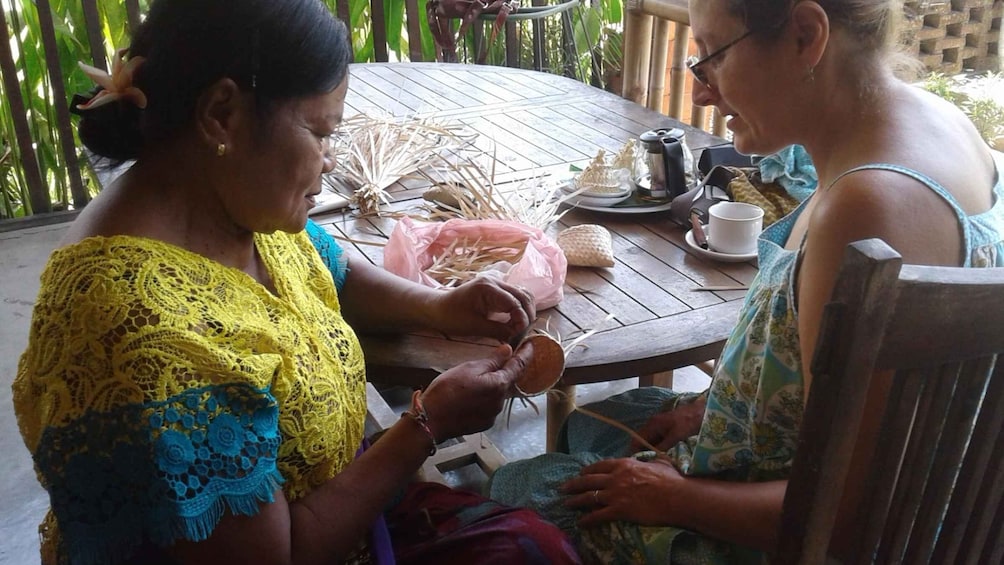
{"points": [[276, 49], [111, 130]]}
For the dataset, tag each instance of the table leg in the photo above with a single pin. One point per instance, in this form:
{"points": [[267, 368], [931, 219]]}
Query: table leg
{"points": [[559, 406], [662, 378]]}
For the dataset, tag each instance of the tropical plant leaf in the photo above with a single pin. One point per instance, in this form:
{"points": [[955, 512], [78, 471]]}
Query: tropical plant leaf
{"points": [[394, 24]]}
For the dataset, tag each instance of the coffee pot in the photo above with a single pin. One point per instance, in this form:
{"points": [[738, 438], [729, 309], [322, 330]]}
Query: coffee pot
{"points": [[666, 159]]}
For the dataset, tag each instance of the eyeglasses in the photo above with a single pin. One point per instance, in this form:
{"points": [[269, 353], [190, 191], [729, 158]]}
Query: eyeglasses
{"points": [[696, 65]]}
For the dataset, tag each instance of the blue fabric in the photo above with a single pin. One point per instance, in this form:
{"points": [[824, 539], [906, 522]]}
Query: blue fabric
{"points": [[792, 169], [331, 253], [981, 233], [160, 471]]}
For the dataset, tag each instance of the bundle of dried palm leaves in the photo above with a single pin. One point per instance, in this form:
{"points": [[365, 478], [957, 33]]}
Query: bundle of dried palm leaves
{"points": [[375, 152], [463, 260], [465, 188]]}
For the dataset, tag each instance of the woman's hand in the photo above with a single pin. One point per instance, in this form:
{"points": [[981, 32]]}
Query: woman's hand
{"points": [[485, 307], [467, 398], [625, 489], [666, 429]]}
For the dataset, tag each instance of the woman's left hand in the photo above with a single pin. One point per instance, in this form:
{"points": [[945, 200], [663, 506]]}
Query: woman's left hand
{"points": [[625, 489], [485, 307]]}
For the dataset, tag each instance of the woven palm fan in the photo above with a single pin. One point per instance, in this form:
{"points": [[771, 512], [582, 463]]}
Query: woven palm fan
{"points": [[545, 367]]}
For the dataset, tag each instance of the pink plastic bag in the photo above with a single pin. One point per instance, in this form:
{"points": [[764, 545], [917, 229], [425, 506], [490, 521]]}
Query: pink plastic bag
{"points": [[541, 269]]}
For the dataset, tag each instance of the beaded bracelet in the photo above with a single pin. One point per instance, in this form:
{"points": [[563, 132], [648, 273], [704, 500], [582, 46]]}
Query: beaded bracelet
{"points": [[421, 417]]}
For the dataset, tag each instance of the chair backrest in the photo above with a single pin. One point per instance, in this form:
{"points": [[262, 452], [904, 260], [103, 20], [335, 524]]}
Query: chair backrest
{"points": [[934, 486]]}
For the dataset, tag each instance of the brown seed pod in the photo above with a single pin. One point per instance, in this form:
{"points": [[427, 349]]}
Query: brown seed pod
{"points": [[545, 367]]}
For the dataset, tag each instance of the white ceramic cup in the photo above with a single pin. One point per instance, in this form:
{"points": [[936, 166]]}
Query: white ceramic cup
{"points": [[734, 227]]}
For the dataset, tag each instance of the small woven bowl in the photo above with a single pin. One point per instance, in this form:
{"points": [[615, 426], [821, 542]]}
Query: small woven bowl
{"points": [[612, 183], [545, 367]]}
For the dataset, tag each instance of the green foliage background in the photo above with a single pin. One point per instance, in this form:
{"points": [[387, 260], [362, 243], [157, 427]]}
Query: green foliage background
{"points": [[23, 33]]}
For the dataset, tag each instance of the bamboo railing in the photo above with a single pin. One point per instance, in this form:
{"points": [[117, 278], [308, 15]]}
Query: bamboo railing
{"points": [[647, 25], [947, 36], [40, 194]]}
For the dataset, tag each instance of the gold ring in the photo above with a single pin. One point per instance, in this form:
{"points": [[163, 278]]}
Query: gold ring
{"points": [[596, 497]]}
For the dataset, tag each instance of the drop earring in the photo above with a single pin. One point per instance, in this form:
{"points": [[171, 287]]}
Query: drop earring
{"points": [[221, 149], [810, 76]]}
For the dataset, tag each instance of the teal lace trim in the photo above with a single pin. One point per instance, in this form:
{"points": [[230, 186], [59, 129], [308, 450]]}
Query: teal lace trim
{"points": [[331, 253], [159, 472]]}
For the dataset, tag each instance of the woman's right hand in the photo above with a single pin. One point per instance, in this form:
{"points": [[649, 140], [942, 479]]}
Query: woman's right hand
{"points": [[666, 429], [466, 399]]}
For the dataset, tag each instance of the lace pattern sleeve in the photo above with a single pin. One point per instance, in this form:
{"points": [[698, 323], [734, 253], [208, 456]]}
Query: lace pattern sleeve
{"points": [[159, 471], [331, 253]]}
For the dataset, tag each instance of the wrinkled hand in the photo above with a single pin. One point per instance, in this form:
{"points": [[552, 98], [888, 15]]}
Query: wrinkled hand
{"points": [[485, 307], [666, 429], [466, 399], [625, 489]]}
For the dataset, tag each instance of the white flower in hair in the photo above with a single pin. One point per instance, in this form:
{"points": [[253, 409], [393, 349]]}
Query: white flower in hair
{"points": [[117, 85]]}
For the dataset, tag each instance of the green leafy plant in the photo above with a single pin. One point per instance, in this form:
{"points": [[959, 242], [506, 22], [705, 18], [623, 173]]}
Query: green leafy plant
{"points": [[981, 97], [586, 33], [25, 37], [612, 42]]}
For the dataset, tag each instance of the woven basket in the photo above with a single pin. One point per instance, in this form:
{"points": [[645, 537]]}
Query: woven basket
{"points": [[545, 367], [950, 36]]}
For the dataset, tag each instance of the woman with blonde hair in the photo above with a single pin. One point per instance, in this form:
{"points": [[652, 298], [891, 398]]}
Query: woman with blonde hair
{"points": [[894, 162]]}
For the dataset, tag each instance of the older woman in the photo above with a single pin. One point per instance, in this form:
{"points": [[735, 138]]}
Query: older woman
{"points": [[894, 162], [193, 390]]}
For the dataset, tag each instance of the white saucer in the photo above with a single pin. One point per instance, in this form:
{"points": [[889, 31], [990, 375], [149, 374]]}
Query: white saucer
{"points": [[627, 209], [592, 199], [715, 255], [585, 201]]}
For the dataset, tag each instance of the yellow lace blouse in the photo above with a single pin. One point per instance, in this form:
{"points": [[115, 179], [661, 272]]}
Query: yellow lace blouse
{"points": [[158, 386]]}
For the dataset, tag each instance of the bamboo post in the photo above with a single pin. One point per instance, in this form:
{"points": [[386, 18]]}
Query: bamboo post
{"points": [[657, 66], [539, 27], [343, 11], [718, 127], [37, 190], [64, 126], [678, 74], [379, 31], [646, 50], [414, 31], [672, 10], [699, 117], [92, 21], [637, 50]]}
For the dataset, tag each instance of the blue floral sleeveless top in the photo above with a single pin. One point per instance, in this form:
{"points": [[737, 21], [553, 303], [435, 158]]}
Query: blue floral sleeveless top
{"points": [[754, 410]]}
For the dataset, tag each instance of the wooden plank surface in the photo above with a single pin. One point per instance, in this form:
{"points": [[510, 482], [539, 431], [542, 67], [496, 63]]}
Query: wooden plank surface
{"points": [[543, 122]]}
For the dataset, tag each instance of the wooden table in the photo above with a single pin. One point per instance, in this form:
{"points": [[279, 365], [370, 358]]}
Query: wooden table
{"points": [[543, 121]]}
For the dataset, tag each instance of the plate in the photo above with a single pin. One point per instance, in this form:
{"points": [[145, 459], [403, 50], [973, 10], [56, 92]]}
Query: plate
{"points": [[633, 203], [630, 203], [627, 209], [600, 202], [715, 255]]}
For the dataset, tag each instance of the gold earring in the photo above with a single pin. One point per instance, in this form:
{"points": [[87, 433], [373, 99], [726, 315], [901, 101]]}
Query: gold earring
{"points": [[221, 149]]}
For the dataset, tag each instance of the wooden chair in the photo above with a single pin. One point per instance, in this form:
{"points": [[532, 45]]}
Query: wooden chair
{"points": [[934, 486], [475, 449]]}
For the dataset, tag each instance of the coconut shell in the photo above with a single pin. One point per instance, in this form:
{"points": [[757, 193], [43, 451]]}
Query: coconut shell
{"points": [[545, 367]]}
